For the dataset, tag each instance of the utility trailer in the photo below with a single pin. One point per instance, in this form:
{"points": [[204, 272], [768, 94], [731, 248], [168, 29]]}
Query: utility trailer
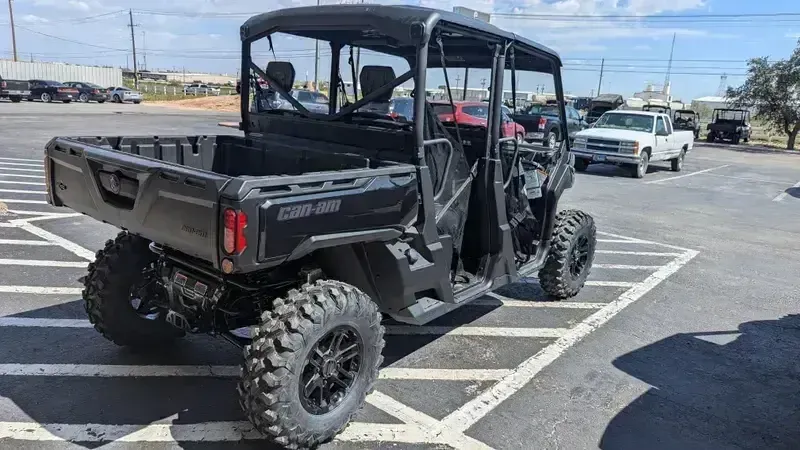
{"points": [[292, 240]]}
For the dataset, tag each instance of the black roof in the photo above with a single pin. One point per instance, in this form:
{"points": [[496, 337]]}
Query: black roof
{"points": [[391, 29]]}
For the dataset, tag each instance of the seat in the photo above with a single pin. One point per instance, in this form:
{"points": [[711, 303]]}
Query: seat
{"points": [[371, 79], [283, 73]]}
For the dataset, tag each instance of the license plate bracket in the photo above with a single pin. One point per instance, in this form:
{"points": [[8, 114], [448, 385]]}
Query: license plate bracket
{"points": [[599, 158]]}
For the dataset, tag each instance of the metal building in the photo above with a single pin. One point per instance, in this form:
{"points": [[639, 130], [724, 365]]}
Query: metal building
{"points": [[103, 76]]}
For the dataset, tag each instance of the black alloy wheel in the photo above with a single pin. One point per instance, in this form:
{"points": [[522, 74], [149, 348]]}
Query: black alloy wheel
{"points": [[331, 369]]}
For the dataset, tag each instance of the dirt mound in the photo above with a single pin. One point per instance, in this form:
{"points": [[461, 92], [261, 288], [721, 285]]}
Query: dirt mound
{"points": [[227, 103]]}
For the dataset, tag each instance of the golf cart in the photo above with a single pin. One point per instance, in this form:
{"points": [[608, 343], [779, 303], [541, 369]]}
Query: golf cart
{"points": [[687, 119], [729, 125], [292, 240]]}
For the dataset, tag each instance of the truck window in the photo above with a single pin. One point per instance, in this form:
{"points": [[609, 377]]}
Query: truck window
{"points": [[669, 126], [660, 127]]}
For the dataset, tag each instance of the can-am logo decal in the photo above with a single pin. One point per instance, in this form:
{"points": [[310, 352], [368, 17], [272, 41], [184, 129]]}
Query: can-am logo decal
{"points": [[309, 209]]}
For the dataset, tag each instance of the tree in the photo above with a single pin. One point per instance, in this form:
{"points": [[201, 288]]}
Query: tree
{"points": [[772, 90]]}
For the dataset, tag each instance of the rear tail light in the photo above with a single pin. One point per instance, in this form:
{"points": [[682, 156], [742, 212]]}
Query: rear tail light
{"points": [[3, 85], [95, 91], [542, 123], [233, 240]]}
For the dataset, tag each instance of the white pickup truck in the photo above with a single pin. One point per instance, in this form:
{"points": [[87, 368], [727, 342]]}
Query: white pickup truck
{"points": [[632, 139]]}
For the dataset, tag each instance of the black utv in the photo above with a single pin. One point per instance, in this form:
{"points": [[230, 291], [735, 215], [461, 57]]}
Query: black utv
{"points": [[310, 226], [687, 119], [729, 125]]}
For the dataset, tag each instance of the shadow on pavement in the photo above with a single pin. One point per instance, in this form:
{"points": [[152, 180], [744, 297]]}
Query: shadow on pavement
{"points": [[745, 148], [714, 390], [794, 192]]}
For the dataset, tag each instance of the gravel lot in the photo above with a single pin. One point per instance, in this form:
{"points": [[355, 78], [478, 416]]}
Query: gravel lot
{"points": [[685, 337]]}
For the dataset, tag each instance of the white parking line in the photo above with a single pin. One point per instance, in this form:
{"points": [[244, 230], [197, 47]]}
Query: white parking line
{"points": [[687, 175], [611, 283], [757, 180], [39, 290], [619, 252], [121, 371], [58, 240], [476, 331], [30, 322], [499, 300], [22, 191], [27, 202], [26, 183], [477, 408], [15, 175], [24, 242], [5, 163], [624, 267], [40, 161], [41, 262], [783, 195], [16, 169]]}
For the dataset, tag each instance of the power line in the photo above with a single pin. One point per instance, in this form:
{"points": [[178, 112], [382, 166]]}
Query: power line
{"points": [[649, 16], [67, 40]]}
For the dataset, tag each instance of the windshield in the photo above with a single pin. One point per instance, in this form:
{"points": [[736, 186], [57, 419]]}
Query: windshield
{"points": [[598, 110], [730, 115], [684, 116], [479, 111], [621, 121], [53, 83], [442, 108]]}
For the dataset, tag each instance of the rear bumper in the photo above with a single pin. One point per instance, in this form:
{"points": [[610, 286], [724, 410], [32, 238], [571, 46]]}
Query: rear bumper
{"points": [[14, 93], [98, 97], [61, 97]]}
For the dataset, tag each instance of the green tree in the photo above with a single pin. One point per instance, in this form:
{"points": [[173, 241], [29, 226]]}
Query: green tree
{"points": [[772, 90]]}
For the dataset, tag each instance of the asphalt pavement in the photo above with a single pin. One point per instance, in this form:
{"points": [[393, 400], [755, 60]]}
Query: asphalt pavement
{"points": [[683, 338]]}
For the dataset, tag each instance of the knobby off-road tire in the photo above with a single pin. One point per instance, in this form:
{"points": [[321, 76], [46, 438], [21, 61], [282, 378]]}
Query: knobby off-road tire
{"points": [[276, 363], [572, 247], [107, 295]]}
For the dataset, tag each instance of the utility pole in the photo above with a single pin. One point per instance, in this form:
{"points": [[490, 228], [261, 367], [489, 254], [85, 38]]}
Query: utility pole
{"points": [[483, 83], [358, 57], [602, 66], [133, 44], [13, 32], [458, 81], [316, 62], [144, 50]]}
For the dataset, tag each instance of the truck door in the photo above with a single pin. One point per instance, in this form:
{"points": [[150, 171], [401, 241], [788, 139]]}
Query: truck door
{"points": [[663, 143]]}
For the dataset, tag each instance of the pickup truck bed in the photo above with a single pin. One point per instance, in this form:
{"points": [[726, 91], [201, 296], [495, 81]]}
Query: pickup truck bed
{"points": [[14, 90], [173, 190]]}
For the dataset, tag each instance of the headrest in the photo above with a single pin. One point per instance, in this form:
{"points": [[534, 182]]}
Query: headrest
{"points": [[282, 72], [373, 78]]}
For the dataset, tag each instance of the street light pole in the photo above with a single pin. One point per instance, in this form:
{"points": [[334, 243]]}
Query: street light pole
{"points": [[13, 32]]}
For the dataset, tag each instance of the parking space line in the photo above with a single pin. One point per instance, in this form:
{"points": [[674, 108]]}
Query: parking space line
{"points": [[624, 267], [212, 371], [613, 241], [7, 225], [41, 262], [24, 242], [687, 175], [40, 290], [30, 322], [477, 408], [15, 175], [499, 300], [411, 330], [610, 283], [27, 202], [643, 241], [783, 194], [40, 161], [58, 240], [620, 252], [5, 163], [27, 183], [757, 180], [21, 191], [16, 169]]}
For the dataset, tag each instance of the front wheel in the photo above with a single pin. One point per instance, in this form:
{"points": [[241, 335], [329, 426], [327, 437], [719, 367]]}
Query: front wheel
{"points": [[710, 137], [117, 99], [312, 361], [45, 97], [571, 254], [84, 98], [639, 170], [120, 294], [735, 140], [552, 139]]}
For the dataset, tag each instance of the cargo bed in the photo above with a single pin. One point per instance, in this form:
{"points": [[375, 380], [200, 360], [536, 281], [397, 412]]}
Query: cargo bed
{"points": [[170, 189]]}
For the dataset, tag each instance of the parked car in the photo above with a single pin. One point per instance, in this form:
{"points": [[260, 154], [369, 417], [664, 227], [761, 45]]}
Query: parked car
{"points": [[477, 114], [88, 92], [543, 124], [122, 94], [14, 90], [686, 119], [315, 102], [402, 107], [601, 104], [632, 139], [48, 91], [200, 89], [729, 125]]}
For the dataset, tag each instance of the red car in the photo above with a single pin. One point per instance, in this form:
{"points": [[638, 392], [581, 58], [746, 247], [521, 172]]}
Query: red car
{"points": [[475, 113]]}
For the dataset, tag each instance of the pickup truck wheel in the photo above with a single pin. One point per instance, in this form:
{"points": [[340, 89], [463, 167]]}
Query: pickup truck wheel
{"points": [[552, 138], [581, 164], [677, 163], [16, 99], [639, 170], [571, 254], [312, 361], [118, 295]]}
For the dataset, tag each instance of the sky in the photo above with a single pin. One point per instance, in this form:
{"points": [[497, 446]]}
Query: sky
{"points": [[712, 37]]}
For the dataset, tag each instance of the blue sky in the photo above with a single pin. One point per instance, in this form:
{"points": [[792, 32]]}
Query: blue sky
{"points": [[636, 47]]}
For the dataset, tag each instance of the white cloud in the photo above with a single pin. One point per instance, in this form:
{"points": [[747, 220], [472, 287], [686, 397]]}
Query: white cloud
{"points": [[793, 35], [642, 47], [79, 5], [30, 18]]}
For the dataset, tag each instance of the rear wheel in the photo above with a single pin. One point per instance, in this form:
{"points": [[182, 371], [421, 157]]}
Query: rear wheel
{"points": [[677, 163], [581, 164], [45, 97], [571, 254], [16, 99], [117, 99], [312, 361], [84, 98], [552, 139], [120, 291], [710, 137]]}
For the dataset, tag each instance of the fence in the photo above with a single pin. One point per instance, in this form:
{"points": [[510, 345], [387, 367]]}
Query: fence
{"points": [[172, 91], [103, 76]]}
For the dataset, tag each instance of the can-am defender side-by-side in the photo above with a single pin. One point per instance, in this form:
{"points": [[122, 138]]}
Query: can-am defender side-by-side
{"points": [[729, 125], [687, 119], [310, 226]]}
